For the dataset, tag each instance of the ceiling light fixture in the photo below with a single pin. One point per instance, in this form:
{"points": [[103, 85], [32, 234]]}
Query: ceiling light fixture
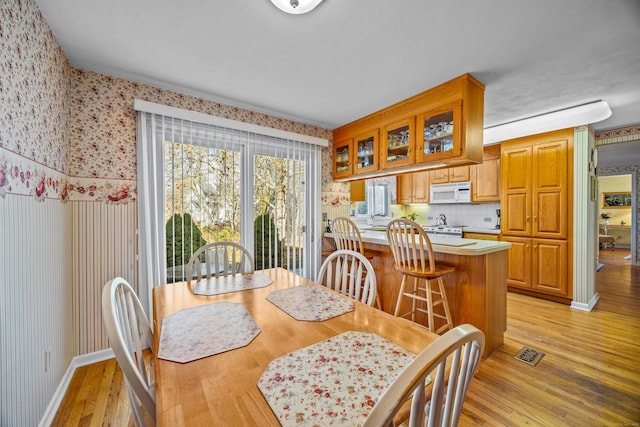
{"points": [[584, 114], [296, 7]]}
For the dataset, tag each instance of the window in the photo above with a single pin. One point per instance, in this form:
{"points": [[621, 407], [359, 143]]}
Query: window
{"points": [[200, 182], [380, 194]]}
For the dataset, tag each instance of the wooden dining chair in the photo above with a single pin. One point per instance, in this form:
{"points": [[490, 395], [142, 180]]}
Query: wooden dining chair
{"points": [[413, 257], [350, 273], [130, 337], [436, 382], [219, 259], [346, 235]]}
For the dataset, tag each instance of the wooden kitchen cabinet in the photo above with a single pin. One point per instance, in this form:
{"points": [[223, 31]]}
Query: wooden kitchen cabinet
{"points": [[343, 158], [449, 175], [366, 148], [535, 188], [438, 133], [357, 191], [485, 177], [536, 179], [398, 141], [450, 118], [538, 265], [413, 188]]}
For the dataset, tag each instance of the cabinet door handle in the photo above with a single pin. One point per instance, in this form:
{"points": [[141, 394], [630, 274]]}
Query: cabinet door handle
{"points": [[528, 218], [535, 218]]}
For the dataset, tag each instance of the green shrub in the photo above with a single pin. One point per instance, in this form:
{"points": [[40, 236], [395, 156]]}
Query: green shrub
{"points": [[183, 239], [266, 245]]}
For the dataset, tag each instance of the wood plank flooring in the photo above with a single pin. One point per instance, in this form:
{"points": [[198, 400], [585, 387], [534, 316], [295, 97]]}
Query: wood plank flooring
{"points": [[589, 375]]}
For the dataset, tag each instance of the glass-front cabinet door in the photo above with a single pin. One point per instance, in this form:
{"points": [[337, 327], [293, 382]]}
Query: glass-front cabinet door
{"points": [[398, 144], [366, 149], [342, 159], [439, 133]]}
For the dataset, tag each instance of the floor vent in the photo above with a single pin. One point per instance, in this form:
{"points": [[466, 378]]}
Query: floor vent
{"points": [[529, 356]]}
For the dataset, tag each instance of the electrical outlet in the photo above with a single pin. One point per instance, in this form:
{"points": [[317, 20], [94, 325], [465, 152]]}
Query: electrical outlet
{"points": [[429, 218], [487, 219], [324, 216], [47, 359]]}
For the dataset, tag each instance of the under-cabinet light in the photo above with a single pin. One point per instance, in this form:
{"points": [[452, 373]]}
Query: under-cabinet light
{"points": [[584, 114]]}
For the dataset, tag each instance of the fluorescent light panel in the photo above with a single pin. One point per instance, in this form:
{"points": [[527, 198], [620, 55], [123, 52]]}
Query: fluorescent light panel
{"points": [[592, 112]]}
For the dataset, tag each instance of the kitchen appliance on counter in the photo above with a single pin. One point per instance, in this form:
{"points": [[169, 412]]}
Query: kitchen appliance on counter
{"points": [[459, 192], [444, 230]]}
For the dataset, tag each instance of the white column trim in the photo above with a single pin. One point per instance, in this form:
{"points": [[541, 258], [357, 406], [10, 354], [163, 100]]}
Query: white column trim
{"points": [[584, 223], [179, 113]]}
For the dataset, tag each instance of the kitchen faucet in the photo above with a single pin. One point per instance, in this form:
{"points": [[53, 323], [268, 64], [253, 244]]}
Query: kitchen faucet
{"points": [[441, 220]]}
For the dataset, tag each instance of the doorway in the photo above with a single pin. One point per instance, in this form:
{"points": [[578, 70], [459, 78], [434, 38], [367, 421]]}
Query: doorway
{"points": [[616, 218]]}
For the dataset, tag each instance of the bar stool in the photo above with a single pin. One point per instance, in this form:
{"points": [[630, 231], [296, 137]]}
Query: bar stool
{"points": [[347, 236], [413, 258]]}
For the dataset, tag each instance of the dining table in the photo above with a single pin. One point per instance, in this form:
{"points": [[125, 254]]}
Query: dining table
{"points": [[238, 384]]}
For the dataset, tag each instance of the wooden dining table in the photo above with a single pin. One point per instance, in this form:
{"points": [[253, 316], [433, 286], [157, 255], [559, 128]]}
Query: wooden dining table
{"points": [[222, 389]]}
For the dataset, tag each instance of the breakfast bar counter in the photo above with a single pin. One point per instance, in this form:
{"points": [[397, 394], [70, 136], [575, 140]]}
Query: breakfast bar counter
{"points": [[476, 291]]}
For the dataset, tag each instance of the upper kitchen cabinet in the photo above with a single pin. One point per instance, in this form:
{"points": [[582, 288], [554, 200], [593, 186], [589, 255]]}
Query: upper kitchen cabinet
{"points": [[485, 177], [343, 158], [439, 134], [450, 175], [535, 185], [366, 149], [438, 128], [398, 144]]}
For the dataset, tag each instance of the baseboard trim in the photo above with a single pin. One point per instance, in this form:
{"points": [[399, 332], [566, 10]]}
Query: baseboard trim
{"points": [[76, 362], [586, 307]]}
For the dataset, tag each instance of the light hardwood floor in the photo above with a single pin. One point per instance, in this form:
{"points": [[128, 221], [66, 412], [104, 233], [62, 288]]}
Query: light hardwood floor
{"points": [[589, 375]]}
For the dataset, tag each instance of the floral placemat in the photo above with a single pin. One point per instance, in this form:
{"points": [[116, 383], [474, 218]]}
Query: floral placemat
{"points": [[334, 382], [230, 283], [197, 332], [308, 302]]}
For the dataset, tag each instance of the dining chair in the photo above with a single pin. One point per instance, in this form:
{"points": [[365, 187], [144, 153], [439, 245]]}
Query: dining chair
{"points": [[350, 273], [436, 382], [346, 235], [413, 257], [219, 259], [130, 336]]}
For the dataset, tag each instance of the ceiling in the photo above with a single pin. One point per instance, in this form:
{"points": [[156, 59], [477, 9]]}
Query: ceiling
{"points": [[349, 58]]}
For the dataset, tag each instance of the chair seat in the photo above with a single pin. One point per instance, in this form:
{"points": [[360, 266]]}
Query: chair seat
{"points": [[439, 271]]}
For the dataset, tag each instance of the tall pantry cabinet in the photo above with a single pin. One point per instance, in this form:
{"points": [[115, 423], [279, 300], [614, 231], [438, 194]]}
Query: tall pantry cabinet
{"points": [[536, 194]]}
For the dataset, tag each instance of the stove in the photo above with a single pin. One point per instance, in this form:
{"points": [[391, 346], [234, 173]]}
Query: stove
{"points": [[444, 230]]}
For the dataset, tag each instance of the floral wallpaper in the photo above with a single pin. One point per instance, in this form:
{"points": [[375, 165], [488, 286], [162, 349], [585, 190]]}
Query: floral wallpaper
{"points": [[71, 134], [103, 122], [34, 104]]}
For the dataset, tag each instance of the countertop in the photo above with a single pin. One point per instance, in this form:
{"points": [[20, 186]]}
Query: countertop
{"points": [[486, 230], [443, 244]]}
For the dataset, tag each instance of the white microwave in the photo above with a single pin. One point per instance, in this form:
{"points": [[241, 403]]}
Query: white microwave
{"points": [[459, 192]]}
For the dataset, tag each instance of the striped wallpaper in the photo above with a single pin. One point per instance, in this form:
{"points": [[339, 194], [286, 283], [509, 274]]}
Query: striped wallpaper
{"points": [[104, 246], [36, 339]]}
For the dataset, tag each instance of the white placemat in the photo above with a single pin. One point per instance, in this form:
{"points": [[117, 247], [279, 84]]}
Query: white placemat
{"points": [[197, 332], [308, 302], [231, 283], [334, 382]]}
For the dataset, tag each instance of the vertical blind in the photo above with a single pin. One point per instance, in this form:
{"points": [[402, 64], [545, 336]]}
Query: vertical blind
{"points": [[216, 183]]}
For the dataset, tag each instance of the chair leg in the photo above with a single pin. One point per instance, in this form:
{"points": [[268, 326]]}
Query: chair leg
{"points": [[430, 320], [399, 300], [378, 303], [413, 300], [445, 302]]}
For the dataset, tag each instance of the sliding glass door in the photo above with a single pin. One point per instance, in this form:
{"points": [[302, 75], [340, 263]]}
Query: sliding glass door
{"points": [[250, 190]]}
